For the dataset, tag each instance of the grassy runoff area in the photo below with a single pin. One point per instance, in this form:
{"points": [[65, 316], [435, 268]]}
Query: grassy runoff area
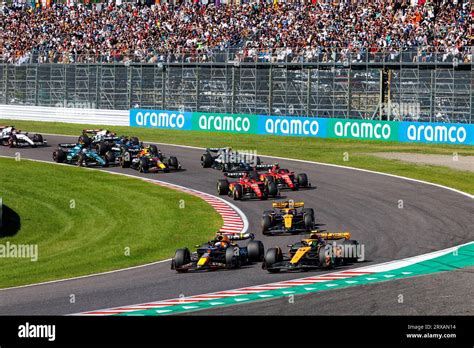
{"points": [[313, 149], [111, 213]]}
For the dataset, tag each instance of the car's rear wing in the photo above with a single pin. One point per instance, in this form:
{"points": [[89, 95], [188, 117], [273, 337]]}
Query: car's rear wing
{"points": [[67, 146], [238, 236], [288, 204], [264, 166], [235, 175], [330, 235], [215, 149], [91, 131]]}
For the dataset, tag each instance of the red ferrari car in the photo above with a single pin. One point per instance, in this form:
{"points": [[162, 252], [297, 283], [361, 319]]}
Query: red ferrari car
{"points": [[248, 186], [284, 179]]}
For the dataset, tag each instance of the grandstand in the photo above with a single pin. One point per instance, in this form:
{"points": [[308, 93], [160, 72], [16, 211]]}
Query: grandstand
{"points": [[349, 59]]}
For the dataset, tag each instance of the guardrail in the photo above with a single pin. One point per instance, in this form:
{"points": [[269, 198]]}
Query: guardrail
{"points": [[67, 115], [335, 128]]}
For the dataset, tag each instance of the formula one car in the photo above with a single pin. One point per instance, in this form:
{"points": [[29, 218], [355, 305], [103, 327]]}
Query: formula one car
{"points": [[284, 178], [10, 136], [314, 253], [104, 140], [227, 160], [150, 159], [221, 252], [289, 218], [81, 154], [248, 186]]}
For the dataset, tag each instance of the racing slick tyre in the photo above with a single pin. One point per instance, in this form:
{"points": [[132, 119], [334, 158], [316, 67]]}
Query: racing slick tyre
{"points": [[125, 159], [268, 179], [255, 251], [134, 141], [351, 251], [181, 257], [12, 141], [326, 257], [38, 138], [232, 258], [59, 156], [81, 160], [302, 180], [206, 160], [238, 192], [309, 211], [308, 220], [102, 148], [272, 256], [272, 189], [266, 223], [222, 187], [110, 157], [143, 165], [173, 162], [153, 149]]}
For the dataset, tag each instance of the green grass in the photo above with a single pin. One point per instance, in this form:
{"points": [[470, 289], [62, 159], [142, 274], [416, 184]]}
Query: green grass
{"points": [[111, 213], [313, 149]]}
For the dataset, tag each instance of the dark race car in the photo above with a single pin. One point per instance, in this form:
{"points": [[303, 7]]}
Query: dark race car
{"points": [[227, 160], [81, 154], [248, 186], [10, 136], [287, 217], [104, 140], [315, 252], [220, 253], [150, 159], [284, 178]]}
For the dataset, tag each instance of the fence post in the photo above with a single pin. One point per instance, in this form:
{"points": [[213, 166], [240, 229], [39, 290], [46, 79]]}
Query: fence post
{"points": [[197, 87], [308, 93], [349, 93], [163, 89], [97, 86], [130, 86], [6, 83], [270, 88], [36, 85], [432, 94], [232, 105]]}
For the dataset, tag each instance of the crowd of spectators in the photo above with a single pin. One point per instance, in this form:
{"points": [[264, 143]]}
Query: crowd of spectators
{"points": [[388, 30]]}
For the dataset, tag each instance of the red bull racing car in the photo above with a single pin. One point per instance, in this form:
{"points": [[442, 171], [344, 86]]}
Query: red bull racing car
{"points": [[220, 253]]}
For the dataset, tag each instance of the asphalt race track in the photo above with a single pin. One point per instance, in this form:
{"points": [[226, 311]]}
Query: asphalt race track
{"points": [[363, 203]]}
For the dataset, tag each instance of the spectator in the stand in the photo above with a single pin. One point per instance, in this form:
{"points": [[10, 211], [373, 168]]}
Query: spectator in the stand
{"points": [[349, 31]]}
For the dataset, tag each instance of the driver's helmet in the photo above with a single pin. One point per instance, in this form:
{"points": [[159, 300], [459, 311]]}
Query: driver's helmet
{"points": [[275, 167], [145, 151], [222, 241]]}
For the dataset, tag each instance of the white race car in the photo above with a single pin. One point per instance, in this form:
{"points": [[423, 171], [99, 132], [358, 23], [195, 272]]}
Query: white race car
{"points": [[10, 136]]}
